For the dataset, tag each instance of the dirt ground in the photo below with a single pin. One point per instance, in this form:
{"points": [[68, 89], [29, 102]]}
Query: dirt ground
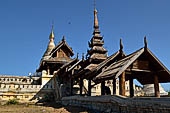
{"points": [[41, 109]]}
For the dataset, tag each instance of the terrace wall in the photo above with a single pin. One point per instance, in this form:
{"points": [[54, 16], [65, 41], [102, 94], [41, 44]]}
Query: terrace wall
{"points": [[118, 104]]}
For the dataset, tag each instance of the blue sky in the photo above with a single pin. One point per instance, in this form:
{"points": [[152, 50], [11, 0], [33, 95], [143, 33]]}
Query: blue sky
{"points": [[25, 26]]}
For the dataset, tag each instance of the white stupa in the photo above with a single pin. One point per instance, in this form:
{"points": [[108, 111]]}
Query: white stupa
{"points": [[148, 90]]}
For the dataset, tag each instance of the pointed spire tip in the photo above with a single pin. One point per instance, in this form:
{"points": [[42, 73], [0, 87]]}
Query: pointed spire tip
{"points": [[146, 43], [64, 39], [96, 24], [52, 33], [121, 45]]}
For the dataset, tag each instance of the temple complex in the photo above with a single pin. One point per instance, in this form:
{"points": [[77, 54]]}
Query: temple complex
{"points": [[95, 74]]}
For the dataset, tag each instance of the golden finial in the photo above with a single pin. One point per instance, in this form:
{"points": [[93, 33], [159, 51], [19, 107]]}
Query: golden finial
{"points": [[52, 33], [146, 43]]}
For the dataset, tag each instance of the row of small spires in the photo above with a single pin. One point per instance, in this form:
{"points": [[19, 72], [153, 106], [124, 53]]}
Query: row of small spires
{"points": [[121, 47]]}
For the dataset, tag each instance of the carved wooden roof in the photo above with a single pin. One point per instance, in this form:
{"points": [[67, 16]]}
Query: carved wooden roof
{"points": [[112, 57], [61, 44], [143, 74], [90, 70], [53, 59]]}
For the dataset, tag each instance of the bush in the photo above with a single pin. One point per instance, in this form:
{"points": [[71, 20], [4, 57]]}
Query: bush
{"points": [[12, 102]]}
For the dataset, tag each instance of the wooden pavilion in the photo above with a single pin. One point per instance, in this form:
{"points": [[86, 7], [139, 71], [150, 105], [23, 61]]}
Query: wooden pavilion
{"points": [[142, 65]]}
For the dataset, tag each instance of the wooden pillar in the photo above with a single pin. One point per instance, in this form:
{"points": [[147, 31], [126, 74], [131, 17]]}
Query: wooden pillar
{"points": [[131, 87], [103, 88], [89, 87], [81, 86], [156, 86], [114, 86], [122, 84]]}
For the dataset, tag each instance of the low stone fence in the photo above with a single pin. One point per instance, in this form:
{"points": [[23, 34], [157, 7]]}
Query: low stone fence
{"points": [[118, 104]]}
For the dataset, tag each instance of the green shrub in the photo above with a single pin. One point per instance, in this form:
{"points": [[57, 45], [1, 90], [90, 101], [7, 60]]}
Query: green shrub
{"points": [[12, 102]]}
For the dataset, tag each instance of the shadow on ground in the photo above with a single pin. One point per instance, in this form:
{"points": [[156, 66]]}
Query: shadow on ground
{"points": [[71, 109]]}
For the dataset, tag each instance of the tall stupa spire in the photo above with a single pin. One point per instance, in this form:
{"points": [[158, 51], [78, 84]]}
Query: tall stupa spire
{"points": [[97, 52], [51, 45]]}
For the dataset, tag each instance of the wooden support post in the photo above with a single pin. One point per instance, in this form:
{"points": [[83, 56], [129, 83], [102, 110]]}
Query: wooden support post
{"points": [[131, 87], [114, 86], [81, 86], [103, 88], [89, 87], [122, 84], [156, 86]]}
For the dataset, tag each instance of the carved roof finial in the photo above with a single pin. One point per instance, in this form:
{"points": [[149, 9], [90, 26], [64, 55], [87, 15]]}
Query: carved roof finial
{"points": [[121, 45], [64, 39], [77, 55], [96, 23], [82, 56], [146, 43]]}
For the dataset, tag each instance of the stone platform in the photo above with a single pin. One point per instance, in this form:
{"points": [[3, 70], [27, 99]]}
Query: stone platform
{"points": [[120, 104]]}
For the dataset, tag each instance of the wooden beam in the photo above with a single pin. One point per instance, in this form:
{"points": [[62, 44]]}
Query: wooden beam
{"points": [[114, 86], [131, 87], [89, 87], [156, 86], [139, 70], [103, 88], [122, 84]]}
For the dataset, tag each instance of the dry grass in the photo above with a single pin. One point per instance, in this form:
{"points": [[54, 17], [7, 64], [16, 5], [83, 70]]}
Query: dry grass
{"points": [[41, 109]]}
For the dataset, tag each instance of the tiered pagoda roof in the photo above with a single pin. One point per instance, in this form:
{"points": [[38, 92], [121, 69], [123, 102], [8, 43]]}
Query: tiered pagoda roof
{"points": [[97, 52]]}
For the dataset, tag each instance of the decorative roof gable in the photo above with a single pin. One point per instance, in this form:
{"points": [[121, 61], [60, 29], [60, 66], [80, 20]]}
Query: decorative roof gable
{"points": [[60, 45], [127, 63]]}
